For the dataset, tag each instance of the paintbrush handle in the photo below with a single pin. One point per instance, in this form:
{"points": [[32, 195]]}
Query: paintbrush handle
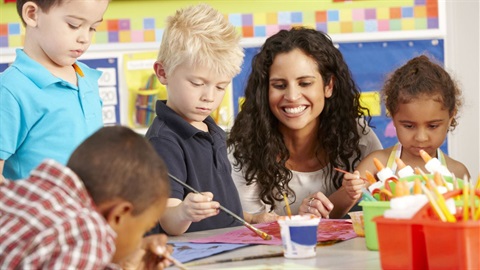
{"points": [[234, 215], [262, 234]]}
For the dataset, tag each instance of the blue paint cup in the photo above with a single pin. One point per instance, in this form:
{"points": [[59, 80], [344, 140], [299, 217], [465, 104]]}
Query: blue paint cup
{"points": [[299, 236]]}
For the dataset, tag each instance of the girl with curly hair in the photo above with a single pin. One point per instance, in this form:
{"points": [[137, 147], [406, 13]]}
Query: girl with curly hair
{"points": [[301, 118], [423, 101]]}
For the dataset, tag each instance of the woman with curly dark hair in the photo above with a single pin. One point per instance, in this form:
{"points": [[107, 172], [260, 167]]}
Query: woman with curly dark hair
{"points": [[301, 118]]}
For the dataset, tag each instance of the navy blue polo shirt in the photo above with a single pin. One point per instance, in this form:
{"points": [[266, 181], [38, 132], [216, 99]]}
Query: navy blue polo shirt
{"points": [[200, 159]]}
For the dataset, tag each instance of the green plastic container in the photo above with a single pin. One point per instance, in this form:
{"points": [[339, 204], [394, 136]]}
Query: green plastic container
{"points": [[373, 209], [370, 211]]}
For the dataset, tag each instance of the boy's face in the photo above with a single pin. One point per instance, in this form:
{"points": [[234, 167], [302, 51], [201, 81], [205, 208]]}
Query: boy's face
{"points": [[57, 38], [132, 229], [194, 92]]}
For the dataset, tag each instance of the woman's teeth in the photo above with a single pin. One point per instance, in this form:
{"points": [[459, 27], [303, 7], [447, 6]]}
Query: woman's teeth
{"points": [[298, 109]]}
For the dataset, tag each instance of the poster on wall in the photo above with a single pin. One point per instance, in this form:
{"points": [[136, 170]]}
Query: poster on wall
{"points": [[107, 88], [370, 64]]}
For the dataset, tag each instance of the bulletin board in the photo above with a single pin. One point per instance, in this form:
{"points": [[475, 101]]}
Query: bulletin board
{"points": [[370, 64]]}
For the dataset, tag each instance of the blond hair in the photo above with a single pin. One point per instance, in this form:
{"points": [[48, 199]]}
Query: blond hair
{"points": [[201, 36]]}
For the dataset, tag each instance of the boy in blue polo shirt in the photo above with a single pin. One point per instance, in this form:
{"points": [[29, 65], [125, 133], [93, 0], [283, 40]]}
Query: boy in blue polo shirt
{"points": [[49, 102], [199, 55]]}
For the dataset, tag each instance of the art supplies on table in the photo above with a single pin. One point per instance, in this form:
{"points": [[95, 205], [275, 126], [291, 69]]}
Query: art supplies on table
{"points": [[299, 235], [328, 230], [187, 252]]}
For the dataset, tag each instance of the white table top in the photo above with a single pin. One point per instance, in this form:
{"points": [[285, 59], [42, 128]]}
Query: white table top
{"points": [[350, 254]]}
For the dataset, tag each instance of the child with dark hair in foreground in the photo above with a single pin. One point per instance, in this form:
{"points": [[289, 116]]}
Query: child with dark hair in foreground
{"points": [[91, 214]]}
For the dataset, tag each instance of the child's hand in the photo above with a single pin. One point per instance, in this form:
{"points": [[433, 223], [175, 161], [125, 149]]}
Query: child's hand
{"points": [[152, 254], [316, 204], [196, 207], [353, 185]]}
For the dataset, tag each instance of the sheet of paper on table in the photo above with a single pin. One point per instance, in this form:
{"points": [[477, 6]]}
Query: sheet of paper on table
{"points": [[186, 252], [328, 230]]}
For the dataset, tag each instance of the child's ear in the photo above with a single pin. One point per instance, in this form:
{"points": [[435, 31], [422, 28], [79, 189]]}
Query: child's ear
{"points": [[160, 72], [30, 13], [329, 88], [118, 214]]}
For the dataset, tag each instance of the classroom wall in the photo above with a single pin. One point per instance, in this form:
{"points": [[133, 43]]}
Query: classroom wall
{"points": [[462, 58], [136, 26]]}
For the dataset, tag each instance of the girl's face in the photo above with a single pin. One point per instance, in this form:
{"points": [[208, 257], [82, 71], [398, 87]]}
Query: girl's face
{"points": [[296, 91], [421, 123]]}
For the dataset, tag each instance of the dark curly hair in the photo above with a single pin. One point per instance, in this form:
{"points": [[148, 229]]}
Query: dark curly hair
{"points": [[258, 145], [420, 76]]}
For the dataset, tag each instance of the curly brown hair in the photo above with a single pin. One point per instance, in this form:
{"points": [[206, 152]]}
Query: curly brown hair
{"points": [[421, 76], [258, 145]]}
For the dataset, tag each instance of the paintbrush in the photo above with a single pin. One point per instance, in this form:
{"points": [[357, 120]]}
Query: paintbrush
{"points": [[343, 171], [287, 205], [262, 234]]}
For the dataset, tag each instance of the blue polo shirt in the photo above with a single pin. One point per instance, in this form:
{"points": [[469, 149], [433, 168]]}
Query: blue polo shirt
{"points": [[200, 159], [43, 116]]}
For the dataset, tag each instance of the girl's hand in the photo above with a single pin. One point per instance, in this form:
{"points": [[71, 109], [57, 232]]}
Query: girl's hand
{"points": [[316, 204], [353, 185], [196, 207]]}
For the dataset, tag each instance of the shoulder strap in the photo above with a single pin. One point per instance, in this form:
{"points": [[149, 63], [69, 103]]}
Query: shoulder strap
{"points": [[396, 152]]}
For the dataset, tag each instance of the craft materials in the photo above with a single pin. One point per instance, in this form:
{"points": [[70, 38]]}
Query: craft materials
{"points": [[299, 235], [433, 164], [383, 173], [403, 170]]}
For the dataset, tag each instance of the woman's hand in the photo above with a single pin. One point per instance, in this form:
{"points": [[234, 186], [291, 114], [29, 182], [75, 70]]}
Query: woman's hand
{"points": [[264, 217], [353, 185], [316, 204]]}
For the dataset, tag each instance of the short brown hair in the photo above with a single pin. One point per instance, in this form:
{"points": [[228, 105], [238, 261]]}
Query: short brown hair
{"points": [[44, 5], [116, 162]]}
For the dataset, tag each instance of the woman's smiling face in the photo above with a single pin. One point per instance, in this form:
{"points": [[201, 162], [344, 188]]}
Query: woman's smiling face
{"points": [[296, 90]]}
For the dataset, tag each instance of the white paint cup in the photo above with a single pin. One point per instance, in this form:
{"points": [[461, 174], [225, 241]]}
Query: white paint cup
{"points": [[299, 235]]}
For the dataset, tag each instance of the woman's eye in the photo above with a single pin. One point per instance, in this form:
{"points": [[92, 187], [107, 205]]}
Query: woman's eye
{"points": [[278, 86], [305, 84]]}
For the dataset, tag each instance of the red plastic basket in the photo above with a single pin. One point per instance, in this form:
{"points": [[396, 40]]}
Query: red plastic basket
{"points": [[401, 244], [425, 242]]}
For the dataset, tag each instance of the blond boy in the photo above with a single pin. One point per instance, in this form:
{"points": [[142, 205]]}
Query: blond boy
{"points": [[199, 55]]}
